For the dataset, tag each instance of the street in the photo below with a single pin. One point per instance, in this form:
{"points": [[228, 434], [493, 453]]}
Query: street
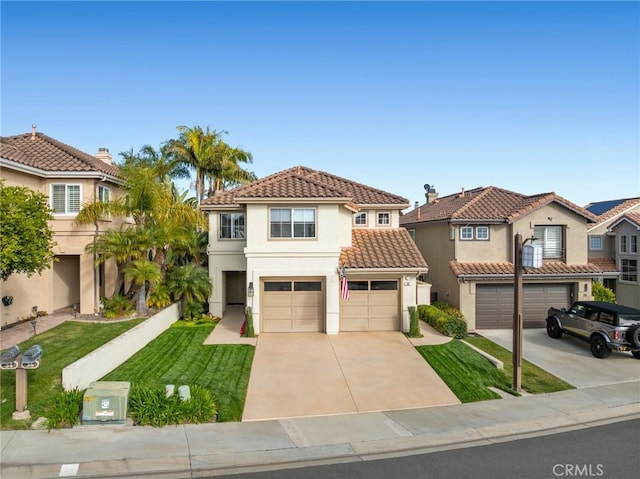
{"points": [[607, 452]]}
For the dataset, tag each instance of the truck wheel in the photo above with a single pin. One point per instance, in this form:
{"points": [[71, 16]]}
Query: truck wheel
{"points": [[636, 354], [599, 347], [633, 336], [553, 330]]}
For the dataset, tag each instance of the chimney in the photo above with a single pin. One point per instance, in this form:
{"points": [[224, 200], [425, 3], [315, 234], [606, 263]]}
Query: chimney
{"points": [[104, 155], [416, 205], [461, 195], [430, 193], [33, 131]]}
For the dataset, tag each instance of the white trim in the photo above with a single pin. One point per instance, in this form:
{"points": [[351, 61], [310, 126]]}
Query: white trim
{"points": [[58, 174], [366, 218], [378, 213], [66, 199]]}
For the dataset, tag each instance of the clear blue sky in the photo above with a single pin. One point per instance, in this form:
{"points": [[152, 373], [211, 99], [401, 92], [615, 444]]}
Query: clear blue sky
{"points": [[528, 96]]}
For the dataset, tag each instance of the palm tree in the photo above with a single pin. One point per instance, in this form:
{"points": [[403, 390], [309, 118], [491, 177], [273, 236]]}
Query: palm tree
{"points": [[140, 272], [165, 165], [189, 283], [226, 171]]}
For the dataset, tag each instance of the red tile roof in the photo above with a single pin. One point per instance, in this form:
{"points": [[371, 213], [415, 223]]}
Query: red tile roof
{"points": [[618, 209], [490, 204], [606, 265], [506, 269], [382, 248], [302, 183], [633, 218], [45, 153]]}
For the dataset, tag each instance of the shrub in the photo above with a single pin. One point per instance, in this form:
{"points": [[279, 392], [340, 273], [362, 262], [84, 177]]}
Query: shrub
{"points": [[449, 309], [160, 297], [192, 311], [117, 306], [63, 409], [447, 324], [248, 329], [414, 325], [601, 293], [150, 406]]}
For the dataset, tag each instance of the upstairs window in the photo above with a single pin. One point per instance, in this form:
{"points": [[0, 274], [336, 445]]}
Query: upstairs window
{"points": [[468, 233], [482, 233], [550, 237], [104, 194], [384, 219], [65, 199], [293, 223], [360, 219], [634, 243], [623, 244], [595, 242], [629, 269], [232, 226]]}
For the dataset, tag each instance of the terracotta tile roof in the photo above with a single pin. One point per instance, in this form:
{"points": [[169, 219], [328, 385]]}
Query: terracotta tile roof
{"points": [[617, 207], [382, 248], [45, 153], [506, 268], [606, 265], [633, 218], [302, 182], [490, 204]]}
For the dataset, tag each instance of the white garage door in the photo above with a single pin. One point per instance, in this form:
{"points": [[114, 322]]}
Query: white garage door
{"points": [[292, 305], [494, 304], [373, 305]]}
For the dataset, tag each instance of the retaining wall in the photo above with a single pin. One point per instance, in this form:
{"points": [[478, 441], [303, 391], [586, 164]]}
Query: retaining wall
{"points": [[106, 358]]}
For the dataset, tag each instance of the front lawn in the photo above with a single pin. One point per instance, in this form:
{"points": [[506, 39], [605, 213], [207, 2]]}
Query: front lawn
{"points": [[467, 373], [61, 346], [534, 379], [178, 357]]}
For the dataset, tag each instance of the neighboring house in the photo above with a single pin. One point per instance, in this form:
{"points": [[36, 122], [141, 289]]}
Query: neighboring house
{"points": [[627, 232], [468, 240], [70, 178], [608, 247], [279, 245]]}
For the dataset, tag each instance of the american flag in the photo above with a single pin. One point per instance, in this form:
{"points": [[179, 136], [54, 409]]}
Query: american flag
{"points": [[344, 284]]}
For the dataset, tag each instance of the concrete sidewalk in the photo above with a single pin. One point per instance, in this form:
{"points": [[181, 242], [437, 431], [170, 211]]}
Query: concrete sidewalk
{"points": [[215, 449]]}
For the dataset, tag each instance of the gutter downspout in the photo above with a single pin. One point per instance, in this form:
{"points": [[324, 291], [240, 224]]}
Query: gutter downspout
{"points": [[96, 269]]}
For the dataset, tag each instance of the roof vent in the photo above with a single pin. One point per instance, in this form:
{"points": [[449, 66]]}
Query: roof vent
{"points": [[33, 131], [461, 195], [104, 155]]}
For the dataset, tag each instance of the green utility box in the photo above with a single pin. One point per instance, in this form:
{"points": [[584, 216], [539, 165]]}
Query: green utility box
{"points": [[105, 402]]}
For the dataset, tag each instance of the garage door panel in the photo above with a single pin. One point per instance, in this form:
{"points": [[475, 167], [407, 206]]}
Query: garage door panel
{"points": [[376, 308], [292, 306]]}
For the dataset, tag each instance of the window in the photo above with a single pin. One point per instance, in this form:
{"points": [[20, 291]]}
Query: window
{"points": [[482, 233], [384, 219], [384, 285], [360, 219], [452, 233], [65, 199], [634, 243], [629, 270], [595, 242], [412, 233], [358, 285], [550, 237], [307, 286], [104, 194], [623, 244], [272, 286], [293, 223], [466, 232], [232, 226]]}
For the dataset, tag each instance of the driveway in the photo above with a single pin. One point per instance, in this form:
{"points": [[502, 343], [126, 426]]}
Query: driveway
{"points": [[310, 374], [569, 358]]}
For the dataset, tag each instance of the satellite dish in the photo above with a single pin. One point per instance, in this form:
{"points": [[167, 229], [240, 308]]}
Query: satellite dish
{"points": [[427, 187]]}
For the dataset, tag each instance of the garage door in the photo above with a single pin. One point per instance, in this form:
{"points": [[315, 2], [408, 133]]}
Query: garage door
{"points": [[292, 305], [373, 305], [494, 304]]}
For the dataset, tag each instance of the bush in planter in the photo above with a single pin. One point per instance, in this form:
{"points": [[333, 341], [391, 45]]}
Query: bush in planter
{"points": [[601, 293], [445, 323], [117, 305], [248, 323]]}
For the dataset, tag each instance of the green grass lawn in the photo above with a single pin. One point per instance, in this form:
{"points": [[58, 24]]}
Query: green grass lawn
{"points": [[178, 357], [61, 346], [534, 379], [467, 373]]}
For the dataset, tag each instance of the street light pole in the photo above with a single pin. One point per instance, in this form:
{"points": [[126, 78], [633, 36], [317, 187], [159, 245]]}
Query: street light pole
{"points": [[517, 313]]}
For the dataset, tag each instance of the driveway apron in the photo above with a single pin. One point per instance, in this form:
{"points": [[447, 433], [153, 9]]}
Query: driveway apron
{"points": [[310, 374]]}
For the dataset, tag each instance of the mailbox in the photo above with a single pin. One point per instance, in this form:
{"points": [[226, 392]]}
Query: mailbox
{"points": [[105, 402], [31, 357], [9, 356]]}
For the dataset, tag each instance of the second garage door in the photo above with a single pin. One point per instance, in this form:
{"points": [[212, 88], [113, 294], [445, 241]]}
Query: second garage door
{"points": [[494, 304], [373, 305], [292, 305]]}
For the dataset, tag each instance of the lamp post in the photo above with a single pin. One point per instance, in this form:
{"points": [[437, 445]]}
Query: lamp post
{"points": [[532, 260]]}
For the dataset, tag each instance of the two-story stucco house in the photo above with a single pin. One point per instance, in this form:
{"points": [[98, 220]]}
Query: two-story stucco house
{"points": [[70, 178], [468, 239], [280, 244], [627, 231], [608, 248]]}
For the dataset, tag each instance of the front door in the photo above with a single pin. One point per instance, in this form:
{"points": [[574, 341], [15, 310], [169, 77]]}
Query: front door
{"points": [[235, 287]]}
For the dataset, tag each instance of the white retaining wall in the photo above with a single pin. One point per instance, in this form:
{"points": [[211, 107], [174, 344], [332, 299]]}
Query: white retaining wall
{"points": [[106, 358]]}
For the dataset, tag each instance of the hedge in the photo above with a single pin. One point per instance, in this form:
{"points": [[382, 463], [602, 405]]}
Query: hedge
{"points": [[446, 323]]}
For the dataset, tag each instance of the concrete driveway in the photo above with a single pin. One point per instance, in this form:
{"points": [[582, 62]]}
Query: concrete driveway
{"points": [[569, 358], [310, 374]]}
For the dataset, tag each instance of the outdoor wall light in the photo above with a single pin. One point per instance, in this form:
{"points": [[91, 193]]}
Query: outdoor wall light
{"points": [[250, 290]]}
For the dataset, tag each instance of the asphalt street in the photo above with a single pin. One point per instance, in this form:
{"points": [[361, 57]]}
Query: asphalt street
{"points": [[608, 452]]}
